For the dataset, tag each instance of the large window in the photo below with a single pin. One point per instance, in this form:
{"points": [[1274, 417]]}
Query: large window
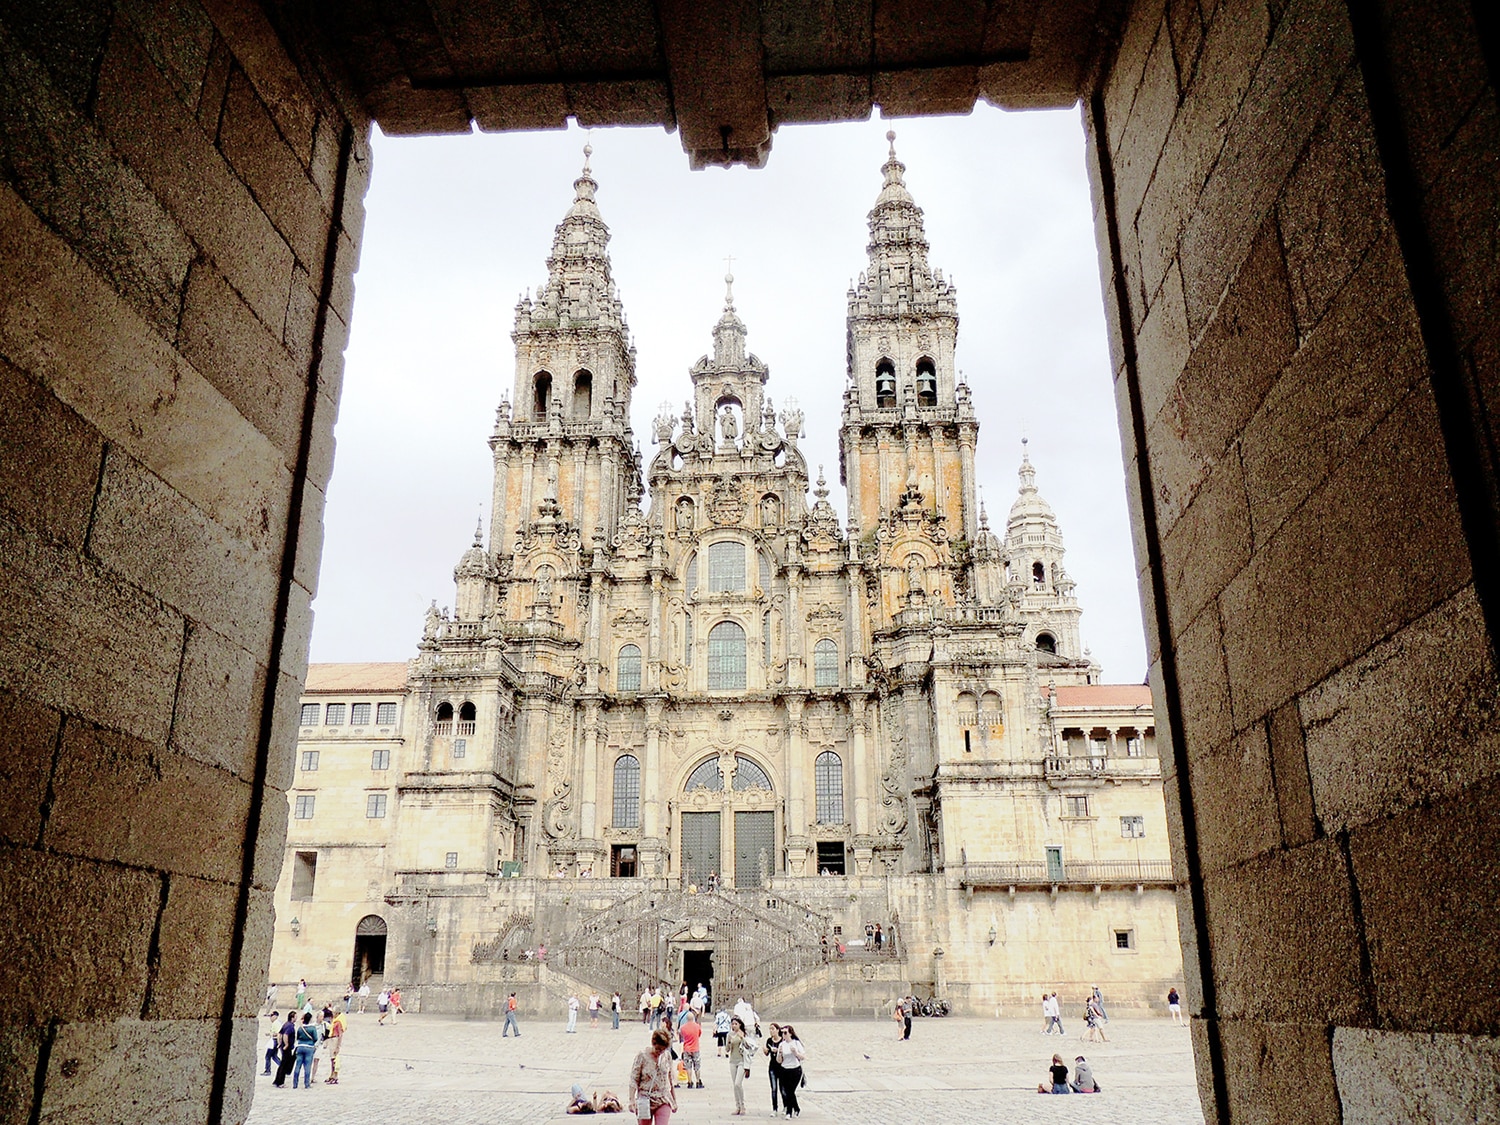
{"points": [[706, 776], [375, 806], [628, 669], [726, 657], [304, 806], [334, 715], [825, 664], [828, 779], [310, 714], [385, 714], [309, 760], [748, 775], [359, 715], [304, 875], [380, 759], [726, 568], [627, 813]]}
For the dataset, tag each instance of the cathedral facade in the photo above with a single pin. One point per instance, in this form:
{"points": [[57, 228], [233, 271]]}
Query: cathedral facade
{"points": [[681, 721]]}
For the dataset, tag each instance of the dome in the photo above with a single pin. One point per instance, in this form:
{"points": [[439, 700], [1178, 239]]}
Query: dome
{"points": [[1029, 504], [476, 561]]}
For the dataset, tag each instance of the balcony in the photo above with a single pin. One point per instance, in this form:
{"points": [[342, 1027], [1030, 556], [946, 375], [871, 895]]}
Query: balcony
{"points": [[1118, 873], [1063, 767]]}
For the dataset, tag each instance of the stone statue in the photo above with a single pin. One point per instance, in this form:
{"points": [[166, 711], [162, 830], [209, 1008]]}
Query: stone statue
{"points": [[791, 420], [729, 429], [684, 515], [914, 574], [431, 625], [664, 425], [544, 585]]}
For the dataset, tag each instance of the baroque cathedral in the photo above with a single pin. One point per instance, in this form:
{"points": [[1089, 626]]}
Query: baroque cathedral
{"points": [[682, 722]]}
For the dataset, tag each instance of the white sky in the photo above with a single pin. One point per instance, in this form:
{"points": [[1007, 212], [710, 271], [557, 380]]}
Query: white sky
{"points": [[459, 227]]}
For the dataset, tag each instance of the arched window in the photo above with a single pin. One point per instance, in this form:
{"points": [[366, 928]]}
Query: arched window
{"points": [[726, 568], [828, 780], [748, 775], [1038, 575], [1045, 642], [687, 640], [726, 657], [583, 395], [691, 579], [467, 713], [627, 813], [825, 664], [445, 712], [628, 669], [542, 395], [885, 383], [765, 638], [706, 776], [926, 382]]}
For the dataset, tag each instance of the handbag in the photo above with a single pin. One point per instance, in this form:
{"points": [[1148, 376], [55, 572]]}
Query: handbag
{"points": [[643, 1107]]}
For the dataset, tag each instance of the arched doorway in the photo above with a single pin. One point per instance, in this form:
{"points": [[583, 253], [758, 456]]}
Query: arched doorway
{"points": [[369, 951], [728, 823]]}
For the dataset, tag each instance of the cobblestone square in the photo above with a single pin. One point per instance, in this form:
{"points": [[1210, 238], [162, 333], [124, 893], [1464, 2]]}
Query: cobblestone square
{"points": [[431, 1070]]}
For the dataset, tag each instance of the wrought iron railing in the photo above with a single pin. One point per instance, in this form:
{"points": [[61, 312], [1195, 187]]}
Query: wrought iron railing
{"points": [[1035, 873]]}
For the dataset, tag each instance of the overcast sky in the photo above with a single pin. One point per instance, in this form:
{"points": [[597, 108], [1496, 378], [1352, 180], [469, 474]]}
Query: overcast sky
{"points": [[459, 227]]}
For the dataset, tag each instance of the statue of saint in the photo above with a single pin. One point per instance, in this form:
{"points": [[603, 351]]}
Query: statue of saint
{"points": [[915, 573], [684, 515], [729, 429]]}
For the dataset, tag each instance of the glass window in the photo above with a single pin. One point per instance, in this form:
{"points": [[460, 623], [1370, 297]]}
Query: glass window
{"points": [[309, 760], [692, 574], [310, 714], [748, 775], [375, 806], [828, 779], [726, 567], [825, 664], [380, 759], [687, 640], [1076, 806], [627, 811], [765, 637], [385, 714], [450, 861], [628, 669], [460, 747], [359, 715], [706, 776], [1133, 827], [726, 657], [304, 807], [334, 715], [1133, 747]]}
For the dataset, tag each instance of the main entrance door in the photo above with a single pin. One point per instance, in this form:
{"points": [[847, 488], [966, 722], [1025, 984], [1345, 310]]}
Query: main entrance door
{"points": [[754, 848], [698, 968], [700, 846]]}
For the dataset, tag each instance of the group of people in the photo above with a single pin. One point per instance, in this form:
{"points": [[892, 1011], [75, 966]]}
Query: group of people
{"points": [[1094, 1016], [595, 1006], [298, 1046], [1082, 1082]]}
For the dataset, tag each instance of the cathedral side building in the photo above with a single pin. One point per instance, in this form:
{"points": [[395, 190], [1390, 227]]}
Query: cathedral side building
{"points": [[684, 723]]}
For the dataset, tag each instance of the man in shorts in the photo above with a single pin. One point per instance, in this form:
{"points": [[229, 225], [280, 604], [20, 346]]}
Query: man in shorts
{"points": [[691, 1034]]}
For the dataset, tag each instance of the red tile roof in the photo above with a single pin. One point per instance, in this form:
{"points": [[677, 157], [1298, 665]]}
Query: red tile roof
{"points": [[355, 678], [1102, 695]]}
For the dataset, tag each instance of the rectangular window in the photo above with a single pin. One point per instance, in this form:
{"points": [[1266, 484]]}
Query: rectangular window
{"points": [[375, 806], [1133, 827], [1054, 865], [334, 715], [1134, 747], [765, 638], [830, 857], [1124, 939], [359, 715], [309, 760], [726, 568], [304, 806], [385, 714], [687, 644], [304, 875], [310, 714], [1075, 806], [460, 747], [450, 861], [380, 759], [622, 861]]}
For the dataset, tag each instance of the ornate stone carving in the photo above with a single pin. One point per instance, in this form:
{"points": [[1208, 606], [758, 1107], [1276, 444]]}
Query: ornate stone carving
{"points": [[726, 504], [558, 810]]}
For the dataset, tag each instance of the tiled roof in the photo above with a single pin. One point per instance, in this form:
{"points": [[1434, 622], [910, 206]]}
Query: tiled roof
{"points": [[1102, 695], [368, 677]]}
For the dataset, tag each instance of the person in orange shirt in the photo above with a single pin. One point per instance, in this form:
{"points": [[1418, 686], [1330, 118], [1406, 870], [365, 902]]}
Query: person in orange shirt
{"points": [[691, 1034], [335, 1040], [510, 1017]]}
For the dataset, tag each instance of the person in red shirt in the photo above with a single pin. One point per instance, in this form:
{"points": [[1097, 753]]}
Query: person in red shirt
{"points": [[691, 1034]]}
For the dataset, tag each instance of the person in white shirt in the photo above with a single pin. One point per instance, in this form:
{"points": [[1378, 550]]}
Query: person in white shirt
{"points": [[1052, 1011], [572, 1014], [790, 1053], [364, 996]]}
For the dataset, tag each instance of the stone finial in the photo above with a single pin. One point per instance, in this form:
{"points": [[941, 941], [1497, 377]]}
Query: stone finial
{"points": [[821, 491]]}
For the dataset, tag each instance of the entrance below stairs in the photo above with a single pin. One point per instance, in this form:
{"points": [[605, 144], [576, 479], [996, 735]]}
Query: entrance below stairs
{"points": [[698, 968]]}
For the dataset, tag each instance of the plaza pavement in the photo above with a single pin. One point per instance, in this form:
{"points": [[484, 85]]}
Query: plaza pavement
{"points": [[435, 1070]]}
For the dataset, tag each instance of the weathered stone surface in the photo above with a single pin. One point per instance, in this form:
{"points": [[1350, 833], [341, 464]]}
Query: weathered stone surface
{"points": [[219, 698], [197, 933], [1407, 1076], [1209, 543], [49, 459], [130, 1072], [1294, 798], [264, 58], [1235, 801], [1279, 1073], [67, 38], [178, 37], [20, 1048], [1204, 684], [30, 740]]}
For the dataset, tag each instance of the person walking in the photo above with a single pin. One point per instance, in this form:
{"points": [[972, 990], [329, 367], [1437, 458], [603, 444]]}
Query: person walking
{"points": [[616, 1005], [510, 1017], [773, 1066], [651, 1081], [1099, 999], [301, 994], [1052, 1009], [1174, 1005], [740, 1048], [908, 1009], [273, 1043], [364, 996], [691, 1034], [594, 1005], [307, 1043], [287, 1043], [321, 1022], [335, 1042], [645, 1007], [383, 1002], [1093, 1015], [721, 1033], [879, 937], [790, 1054], [572, 1014]]}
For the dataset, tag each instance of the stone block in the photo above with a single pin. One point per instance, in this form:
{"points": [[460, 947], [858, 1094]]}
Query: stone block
{"points": [[938, 89], [310, 539], [1429, 921], [255, 954], [64, 326], [275, 175], [1128, 68], [1333, 206], [503, 108], [299, 623], [67, 173], [20, 1051], [1145, 134], [178, 37], [1279, 1073], [1203, 682], [1413, 719], [1307, 604], [210, 104], [123, 800], [1234, 799], [1362, 358], [817, 98], [76, 935], [219, 700], [131, 1072], [324, 167], [246, 1052], [243, 358], [301, 321], [270, 848], [1413, 1076], [82, 641], [49, 459], [1284, 939], [1294, 798], [30, 741], [197, 933], [346, 263], [1209, 544], [1199, 1029], [67, 38], [1162, 345], [161, 140], [283, 756], [271, 70], [324, 444], [1460, 209], [1185, 20]]}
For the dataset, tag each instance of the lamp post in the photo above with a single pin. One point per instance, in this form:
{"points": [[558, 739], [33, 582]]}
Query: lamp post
{"points": [[296, 925], [432, 925]]}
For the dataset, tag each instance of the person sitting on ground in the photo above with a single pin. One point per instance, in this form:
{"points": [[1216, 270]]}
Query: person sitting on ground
{"points": [[1083, 1077], [579, 1102], [605, 1101], [1059, 1078]]}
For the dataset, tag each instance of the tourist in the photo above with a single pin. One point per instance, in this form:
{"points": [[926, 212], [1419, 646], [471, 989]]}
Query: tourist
{"points": [[307, 1043], [1083, 1077], [1059, 1078], [348, 999], [616, 1006], [579, 1102], [321, 1022], [273, 1043], [301, 994], [901, 1013], [1052, 1010], [746, 1012], [572, 1014], [700, 998], [607, 1101], [645, 1007], [739, 1048], [336, 1044], [879, 937], [790, 1053], [773, 1064], [594, 1005], [270, 996], [721, 1033], [510, 1017], [658, 1005], [396, 1008], [1093, 1015], [287, 1043], [691, 1033], [1174, 1005], [364, 996], [383, 1002], [651, 1081], [1099, 999]]}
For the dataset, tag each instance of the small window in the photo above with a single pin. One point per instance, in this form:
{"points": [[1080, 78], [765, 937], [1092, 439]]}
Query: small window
{"points": [[334, 715], [304, 875], [926, 382], [691, 578], [726, 568], [828, 785], [1124, 939], [380, 759], [460, 747], [825, 664], [830, 857], [622, 861], [542, 396], [385, 714], [1134, 746], [375, 806], [968, 744], [687, 640], [309, 760], [628, 669], [450, 861], [726, 657], [304, 806], [765, 638], [1045, 642], [627, 795], [885, 383], [1133, 827], [1076, 806], [1038, 575], [310, 714], [583, 395], [359, 715]]}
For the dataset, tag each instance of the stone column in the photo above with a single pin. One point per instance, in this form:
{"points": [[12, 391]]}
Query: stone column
{"points": [[794, 626], [528, 478], [580, 486], [966, 436], [798, 844], [499, 507], [859, 766], [654, 635], [653, 842], [588, 801]]}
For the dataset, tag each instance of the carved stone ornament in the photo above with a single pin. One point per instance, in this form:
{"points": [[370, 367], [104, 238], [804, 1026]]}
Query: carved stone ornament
{"points": [[633, 539], [727, 505], [629, 618], [824, 614]]}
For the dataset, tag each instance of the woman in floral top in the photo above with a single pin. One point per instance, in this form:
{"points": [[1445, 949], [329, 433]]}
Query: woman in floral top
{"points": [[651, 1080]]}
